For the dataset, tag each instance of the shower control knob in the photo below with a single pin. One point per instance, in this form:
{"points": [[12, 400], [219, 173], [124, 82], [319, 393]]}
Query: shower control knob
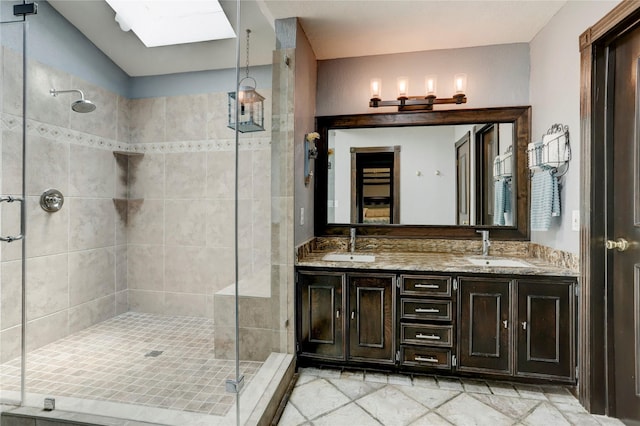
{"points": [[51, 200]]}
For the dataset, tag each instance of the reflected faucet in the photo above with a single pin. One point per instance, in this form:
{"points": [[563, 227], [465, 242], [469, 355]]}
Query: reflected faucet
{"points": [[352, 239], [485, 242]]}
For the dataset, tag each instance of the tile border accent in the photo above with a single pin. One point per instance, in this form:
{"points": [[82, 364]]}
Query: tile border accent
{"points": [[10, 122]]}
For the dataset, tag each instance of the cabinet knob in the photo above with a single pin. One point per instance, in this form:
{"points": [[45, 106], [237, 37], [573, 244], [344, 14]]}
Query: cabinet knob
{"points": [[524, 325], [338, 314], [353, 314], [505, 323]]}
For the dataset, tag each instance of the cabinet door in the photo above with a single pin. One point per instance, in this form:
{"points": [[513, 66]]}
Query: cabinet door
{"points": [[371, 301], [320, 312], [545, 336], [483, 325]]}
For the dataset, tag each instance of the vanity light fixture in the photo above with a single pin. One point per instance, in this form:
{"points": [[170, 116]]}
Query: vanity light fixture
{"points": [[404, 102], [310, 153], [251, 111]]}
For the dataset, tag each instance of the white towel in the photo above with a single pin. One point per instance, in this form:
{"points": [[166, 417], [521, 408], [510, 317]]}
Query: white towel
{"points": [[497, 167], [534, 151], [506, 161], [554, 149]]}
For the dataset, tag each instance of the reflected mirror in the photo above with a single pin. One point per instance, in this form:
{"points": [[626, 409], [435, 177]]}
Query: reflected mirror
{"points": [[438, 173], [399, 172]]}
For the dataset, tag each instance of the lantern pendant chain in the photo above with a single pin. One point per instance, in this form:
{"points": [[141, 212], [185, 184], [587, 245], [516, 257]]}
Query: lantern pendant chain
{"points": [[247, 68]]}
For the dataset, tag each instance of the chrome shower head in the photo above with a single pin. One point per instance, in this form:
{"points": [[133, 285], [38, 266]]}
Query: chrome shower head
{"points": [[81, 105]]}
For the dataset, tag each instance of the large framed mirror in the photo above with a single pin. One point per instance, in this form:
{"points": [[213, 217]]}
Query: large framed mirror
{"points": [[436, 174]]}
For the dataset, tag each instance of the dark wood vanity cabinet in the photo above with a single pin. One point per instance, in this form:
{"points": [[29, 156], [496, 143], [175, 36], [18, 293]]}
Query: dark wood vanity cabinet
{"points": [[483, 325], [426, 322], [494, 325], [545, 322], [346, 317], [320, 315], [371, 331], [517, 327]]}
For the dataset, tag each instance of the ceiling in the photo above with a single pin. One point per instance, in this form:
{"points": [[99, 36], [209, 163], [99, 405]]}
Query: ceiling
{"points": [[335, 29]]}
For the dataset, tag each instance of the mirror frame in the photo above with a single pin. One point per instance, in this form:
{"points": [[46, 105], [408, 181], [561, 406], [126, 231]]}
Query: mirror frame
{"points": [[520, 116]]}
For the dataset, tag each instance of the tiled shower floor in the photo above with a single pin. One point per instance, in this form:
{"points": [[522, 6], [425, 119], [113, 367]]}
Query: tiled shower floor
{"points": [[110, 362]]}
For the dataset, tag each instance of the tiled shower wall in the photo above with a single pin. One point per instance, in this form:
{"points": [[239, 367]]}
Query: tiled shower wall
{"points": [[76, 258], [181, 237], [167, 253]]}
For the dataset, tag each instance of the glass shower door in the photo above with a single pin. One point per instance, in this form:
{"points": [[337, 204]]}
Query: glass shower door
{"points": [[13, 36]]}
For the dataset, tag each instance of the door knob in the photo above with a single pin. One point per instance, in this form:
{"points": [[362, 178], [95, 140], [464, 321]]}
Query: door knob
{"points": [[621, 244]]}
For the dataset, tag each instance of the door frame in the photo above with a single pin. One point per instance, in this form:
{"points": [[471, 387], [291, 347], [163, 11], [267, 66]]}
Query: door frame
{"points": [[395, 189], [595, 361], [464, 140]]}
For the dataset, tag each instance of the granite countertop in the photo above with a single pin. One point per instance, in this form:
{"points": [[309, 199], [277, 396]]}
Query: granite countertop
{"points": [[435, 262]]}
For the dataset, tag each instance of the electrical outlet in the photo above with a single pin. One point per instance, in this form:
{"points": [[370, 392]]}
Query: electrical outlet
{"points": [[301, 216], [575, 220]]}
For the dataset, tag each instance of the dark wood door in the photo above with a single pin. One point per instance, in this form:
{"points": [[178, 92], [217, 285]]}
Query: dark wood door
{"points": [[320, 314], [463, 168], [545, 338], [371, 323], [483, 325], [486, 152], [623, 202]]}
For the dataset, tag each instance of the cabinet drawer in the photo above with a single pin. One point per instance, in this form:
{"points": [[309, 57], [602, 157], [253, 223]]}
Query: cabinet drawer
{"points": [[426, 335], [426, 309], [426, 357], [425, 285]]}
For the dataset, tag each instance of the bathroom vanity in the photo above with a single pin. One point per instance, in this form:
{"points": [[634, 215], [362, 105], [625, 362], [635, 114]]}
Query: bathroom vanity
{"points": [[431, 312]]}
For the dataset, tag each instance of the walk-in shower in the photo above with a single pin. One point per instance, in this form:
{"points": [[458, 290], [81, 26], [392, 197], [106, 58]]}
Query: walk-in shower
{"points": [[82, 105], [124, 300]]}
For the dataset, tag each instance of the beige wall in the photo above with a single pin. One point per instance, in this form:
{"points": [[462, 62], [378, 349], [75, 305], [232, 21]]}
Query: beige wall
{"points": [[181, 237]]}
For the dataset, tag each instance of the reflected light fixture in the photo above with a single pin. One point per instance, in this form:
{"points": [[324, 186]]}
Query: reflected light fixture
{"points": [[404, 102], [251, 111]]}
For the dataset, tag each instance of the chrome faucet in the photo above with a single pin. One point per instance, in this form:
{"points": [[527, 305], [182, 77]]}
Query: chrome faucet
{"points": [[352, 239], [485, 242]]}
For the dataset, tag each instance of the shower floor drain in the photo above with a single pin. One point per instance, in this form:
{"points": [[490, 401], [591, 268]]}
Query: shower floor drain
{"points": [[154, 354]]}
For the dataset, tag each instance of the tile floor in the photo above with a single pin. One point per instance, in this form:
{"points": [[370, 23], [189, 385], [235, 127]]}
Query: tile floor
{"points": [[110, 362], [332, 397]]}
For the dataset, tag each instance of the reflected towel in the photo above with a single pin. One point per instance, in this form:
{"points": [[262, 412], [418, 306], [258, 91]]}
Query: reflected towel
{"points": [[545, 199], [534, 151], [501, 201], [497, 166]]}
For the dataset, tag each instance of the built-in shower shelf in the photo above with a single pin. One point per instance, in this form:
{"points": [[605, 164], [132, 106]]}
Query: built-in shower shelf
{"points": [[128, 200], [128, 153]]}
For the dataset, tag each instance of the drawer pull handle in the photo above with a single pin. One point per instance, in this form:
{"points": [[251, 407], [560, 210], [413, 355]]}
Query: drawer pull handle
{"points": [[427, 336], [427, 311], [505, 323], [421, 359], [427, 286], [524, 325], [338, 314]]}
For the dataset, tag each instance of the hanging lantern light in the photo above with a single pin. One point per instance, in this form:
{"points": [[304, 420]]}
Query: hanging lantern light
{"points": [[251, 111]]}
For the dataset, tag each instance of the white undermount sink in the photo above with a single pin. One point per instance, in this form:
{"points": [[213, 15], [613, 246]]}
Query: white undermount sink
{"points": [[348, 257], [509, 263]]}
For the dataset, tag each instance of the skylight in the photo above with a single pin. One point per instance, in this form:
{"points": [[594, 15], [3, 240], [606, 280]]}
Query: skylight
{"points": [[167, 22]]}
